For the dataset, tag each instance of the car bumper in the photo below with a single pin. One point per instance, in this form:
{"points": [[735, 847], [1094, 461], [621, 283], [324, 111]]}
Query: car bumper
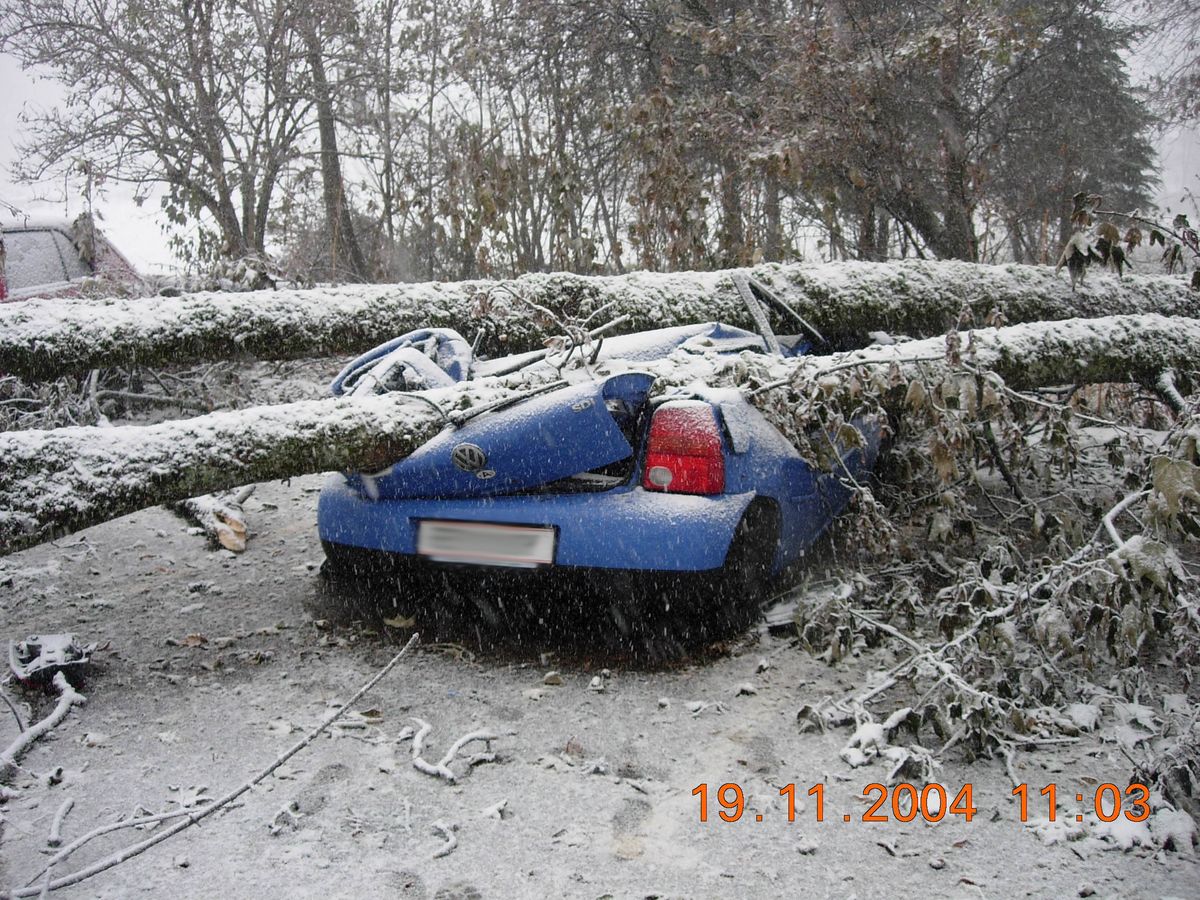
{"points": [[624, 528]]}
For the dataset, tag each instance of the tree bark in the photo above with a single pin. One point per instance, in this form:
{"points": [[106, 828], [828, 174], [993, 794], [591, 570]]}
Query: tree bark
{"points": [[42, 339], [345, 255], [55, 482]]}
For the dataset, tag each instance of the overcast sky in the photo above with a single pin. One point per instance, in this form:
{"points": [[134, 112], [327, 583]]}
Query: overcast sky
{"points": [[138, 231]]}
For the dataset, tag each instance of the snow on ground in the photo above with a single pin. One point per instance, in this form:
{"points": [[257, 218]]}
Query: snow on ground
{"points": [[212, 664]]}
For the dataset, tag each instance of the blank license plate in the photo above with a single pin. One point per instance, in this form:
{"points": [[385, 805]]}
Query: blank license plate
{"points": [[488, 545]]}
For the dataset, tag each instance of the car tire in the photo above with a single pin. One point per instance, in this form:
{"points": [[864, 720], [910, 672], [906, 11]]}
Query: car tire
{"points": [[743, 581]]}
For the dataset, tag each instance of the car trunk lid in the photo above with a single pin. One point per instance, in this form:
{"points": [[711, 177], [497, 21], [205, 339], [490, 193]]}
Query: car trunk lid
{"points": [[533, 443]]}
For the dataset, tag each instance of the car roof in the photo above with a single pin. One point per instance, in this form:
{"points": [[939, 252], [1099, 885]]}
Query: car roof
{"points": [[33, 223]]}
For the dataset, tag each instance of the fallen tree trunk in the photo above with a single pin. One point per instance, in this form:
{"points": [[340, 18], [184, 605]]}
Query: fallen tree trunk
{"points": [[54, 482], [1120, 349], [59, 481], [41, 339]]}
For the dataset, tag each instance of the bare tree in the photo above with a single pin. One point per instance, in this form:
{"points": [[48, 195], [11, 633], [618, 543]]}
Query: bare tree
{"points": [[201, 96], [326, 24]]}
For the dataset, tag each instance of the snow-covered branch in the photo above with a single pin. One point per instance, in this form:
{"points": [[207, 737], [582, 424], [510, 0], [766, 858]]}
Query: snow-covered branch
{"points": [[1133, 348], [41, 339], [67, 697], [55, 482], [59, 481]]}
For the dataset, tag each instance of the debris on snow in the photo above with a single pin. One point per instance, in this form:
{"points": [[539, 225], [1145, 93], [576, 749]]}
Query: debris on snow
{"points": [[1123, 834], [441, 769], [55, 838], [42, 655], [1084, 716], [447, 832], [1173, 829], [67, 697], [1057, 831], [287, 819], [495, 811], [219, 516], [868, 741]]}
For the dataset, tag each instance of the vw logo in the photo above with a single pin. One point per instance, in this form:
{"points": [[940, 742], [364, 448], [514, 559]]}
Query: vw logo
{"points": [[468, 457]]}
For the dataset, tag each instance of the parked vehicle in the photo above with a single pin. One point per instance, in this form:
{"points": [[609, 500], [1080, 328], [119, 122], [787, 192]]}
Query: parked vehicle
{"points": [[60, 259], [679, 507]]}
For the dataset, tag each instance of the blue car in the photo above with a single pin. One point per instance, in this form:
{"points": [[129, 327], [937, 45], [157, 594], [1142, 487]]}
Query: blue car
{"points": [[678, 508]]}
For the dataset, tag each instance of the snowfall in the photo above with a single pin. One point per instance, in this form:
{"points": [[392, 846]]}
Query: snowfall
{"points": [[494, 763], [211, 664]]}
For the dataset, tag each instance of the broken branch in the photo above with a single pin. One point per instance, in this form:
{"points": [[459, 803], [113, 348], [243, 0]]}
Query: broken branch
{"points": [[193, 818], [67, 697]]}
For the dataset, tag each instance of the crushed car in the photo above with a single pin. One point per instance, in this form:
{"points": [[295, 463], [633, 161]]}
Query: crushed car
{"points": [[665, 509]]}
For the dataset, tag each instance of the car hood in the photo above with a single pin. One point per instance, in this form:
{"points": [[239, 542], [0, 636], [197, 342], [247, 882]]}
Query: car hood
{"points": [[535, 442]]}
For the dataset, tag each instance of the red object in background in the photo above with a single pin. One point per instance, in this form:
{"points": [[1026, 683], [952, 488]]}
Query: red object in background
{"points": [[3, 280]]}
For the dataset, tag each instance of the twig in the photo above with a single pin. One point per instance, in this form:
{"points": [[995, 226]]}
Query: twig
{"points": [[136, 849], [485, 736], [1027, 397], [446, 831], [138, 822], [530, 358], [93, 381], [1010, 766], [1166, 389], [55, 838], [67, 697], [1109, 523], [151, 400], [422, 765], [998, 458], [442, 768], [13, 708]]}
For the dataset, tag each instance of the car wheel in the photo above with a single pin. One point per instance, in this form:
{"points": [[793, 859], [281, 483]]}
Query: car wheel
{"points": [[743, 580], [338, 570]]}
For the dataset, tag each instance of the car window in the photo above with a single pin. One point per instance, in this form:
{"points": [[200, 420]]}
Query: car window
{"points": [[76, 267], [33, 259]]}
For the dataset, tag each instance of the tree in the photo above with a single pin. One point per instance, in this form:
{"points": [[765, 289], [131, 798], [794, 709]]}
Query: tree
{"points": [[43, 339], [61, 480], [318, 31], [1057, 526], [1172, 39], [1080, 126]]}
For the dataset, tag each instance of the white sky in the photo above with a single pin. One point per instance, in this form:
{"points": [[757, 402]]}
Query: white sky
{"points": [[139, 232]]}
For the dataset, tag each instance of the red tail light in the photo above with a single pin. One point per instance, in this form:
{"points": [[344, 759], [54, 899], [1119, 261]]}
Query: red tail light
{"points": [[683, 455]]}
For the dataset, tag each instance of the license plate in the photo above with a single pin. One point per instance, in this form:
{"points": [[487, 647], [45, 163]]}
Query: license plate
{"points": [[485, 545]]}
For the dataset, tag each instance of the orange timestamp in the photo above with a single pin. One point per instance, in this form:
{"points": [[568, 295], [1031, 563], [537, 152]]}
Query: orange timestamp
{"points": [[1108, 802], [902, 802]]}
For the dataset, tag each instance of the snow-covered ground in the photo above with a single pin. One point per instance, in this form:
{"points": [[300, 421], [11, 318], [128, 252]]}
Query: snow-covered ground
{"points": [[212, 663]]}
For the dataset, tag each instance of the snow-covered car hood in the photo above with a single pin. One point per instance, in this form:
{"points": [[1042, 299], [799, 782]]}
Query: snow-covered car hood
{"points": [[535, 442]]}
